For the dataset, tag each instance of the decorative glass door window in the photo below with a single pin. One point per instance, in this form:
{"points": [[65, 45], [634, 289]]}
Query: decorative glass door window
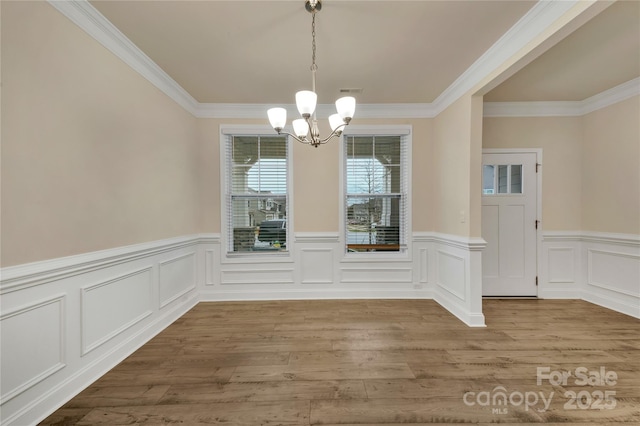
{"points": [[502, 179]]}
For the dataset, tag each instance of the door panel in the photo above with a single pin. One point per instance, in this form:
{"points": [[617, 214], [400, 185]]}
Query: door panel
{"points": [[512, 235], [509, 210], [490, 233]]}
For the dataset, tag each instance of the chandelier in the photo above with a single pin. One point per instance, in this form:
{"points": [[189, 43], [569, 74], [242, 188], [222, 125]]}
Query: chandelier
{"points": [[305, 129]]}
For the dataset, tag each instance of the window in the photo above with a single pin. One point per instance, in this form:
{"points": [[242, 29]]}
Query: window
{"points": [[257, 193], [502, 179], [375, 187]]}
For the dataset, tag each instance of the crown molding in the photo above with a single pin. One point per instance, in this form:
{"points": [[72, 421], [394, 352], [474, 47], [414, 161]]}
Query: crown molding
{"points": [[604, 99], [88, 18], [540, 17], [612, 96]]}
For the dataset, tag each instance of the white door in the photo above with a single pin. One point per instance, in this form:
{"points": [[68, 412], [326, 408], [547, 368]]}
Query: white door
{"points": [[509, 223]]}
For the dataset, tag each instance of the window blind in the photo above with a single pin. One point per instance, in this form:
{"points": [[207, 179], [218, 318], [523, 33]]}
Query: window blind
{"points": [[257, 193], [375, 171]]}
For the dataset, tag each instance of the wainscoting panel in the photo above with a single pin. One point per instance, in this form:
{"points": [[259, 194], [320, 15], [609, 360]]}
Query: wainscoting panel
{"points": [[210, 254], [376, 273], [209, 267], [255, 274], [601, 268], [177, 277], [612, 271], [316, 266], [33, 343], [450, 272], [562, 268], [424, 266], [619, 272], [112, 306]]}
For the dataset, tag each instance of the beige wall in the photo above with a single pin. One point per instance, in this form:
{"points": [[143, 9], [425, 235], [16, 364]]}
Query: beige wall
{"points": [[561, 141], [316, 176], [611, 169], [591, 165], [457, 156], [93, 155]]}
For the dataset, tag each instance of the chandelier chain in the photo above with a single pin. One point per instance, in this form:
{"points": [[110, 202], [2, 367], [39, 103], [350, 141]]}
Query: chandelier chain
{"points": [[313, 41]]}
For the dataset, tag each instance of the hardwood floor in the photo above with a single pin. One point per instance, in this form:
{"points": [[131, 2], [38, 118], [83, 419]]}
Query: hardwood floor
{"points": [[374, 362]]}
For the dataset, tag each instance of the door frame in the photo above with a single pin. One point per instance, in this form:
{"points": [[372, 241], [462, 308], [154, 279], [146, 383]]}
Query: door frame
{"points": [[540, 169]]}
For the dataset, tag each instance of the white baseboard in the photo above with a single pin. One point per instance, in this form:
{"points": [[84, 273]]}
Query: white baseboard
{"points": [[629, 307], [317, 294]]}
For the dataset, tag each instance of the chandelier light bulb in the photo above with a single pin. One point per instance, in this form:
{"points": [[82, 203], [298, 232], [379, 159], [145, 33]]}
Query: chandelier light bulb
{"points": [[306, 102], [277, 118], [346, 107], [300, 127], [335, 121]]}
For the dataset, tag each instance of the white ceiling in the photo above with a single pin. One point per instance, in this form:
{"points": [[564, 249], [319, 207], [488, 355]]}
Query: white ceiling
{"points": [[259, 52]]}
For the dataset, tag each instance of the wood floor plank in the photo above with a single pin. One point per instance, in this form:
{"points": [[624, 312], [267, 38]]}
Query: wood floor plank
{"points": [[344, 371], [529, 356], [66, 416], [257, 346], [370, 362], [265, 391], [163, 376], [625, 411], [299, 335], [308, 325], [410, 411], [237, 414], [120, 396], [341, 357], [429, 388]]}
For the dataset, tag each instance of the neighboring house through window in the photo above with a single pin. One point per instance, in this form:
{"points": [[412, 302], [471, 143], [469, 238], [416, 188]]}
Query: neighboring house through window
{"points": [[256, 193]]}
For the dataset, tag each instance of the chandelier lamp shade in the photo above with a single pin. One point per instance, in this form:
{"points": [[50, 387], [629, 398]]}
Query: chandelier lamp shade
{"points": [[305, 129]]}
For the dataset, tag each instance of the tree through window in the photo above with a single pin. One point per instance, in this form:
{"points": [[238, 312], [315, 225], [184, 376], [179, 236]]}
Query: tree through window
{"points": [[375, 193]]}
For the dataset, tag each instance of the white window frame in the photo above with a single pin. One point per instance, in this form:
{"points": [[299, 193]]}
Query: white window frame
{"points": [[405, 132], [256, 257]]}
